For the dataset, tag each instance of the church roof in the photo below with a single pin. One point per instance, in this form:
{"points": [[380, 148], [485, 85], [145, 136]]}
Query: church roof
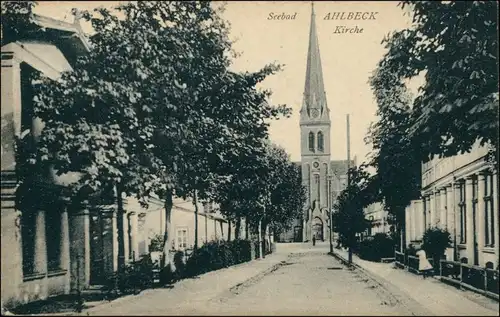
{"points": [[314, 90]]}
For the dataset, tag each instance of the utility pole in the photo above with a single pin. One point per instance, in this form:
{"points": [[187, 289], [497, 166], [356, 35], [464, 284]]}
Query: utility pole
{"points": [[330, 210], [349, 180], [259, 231]]}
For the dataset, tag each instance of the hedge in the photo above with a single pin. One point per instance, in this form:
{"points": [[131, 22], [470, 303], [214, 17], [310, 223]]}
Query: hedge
{"points": [[377, 247], [216, 255]]}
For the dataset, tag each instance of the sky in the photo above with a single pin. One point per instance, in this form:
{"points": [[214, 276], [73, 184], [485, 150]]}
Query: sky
{"points": [[347, 59]]}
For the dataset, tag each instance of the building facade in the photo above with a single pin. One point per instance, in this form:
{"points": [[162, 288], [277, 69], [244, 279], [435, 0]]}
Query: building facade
{"points": [[211, 224], [323, 178], [50, 244], [377, 215], [459, 194]]}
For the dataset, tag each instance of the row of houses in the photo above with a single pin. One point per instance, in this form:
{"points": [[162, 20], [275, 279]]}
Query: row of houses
{"points": [[51, 245], [459, 194]]}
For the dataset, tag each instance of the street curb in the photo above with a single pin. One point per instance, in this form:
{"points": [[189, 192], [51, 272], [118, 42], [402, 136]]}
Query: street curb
{"points": [[412, 307]]}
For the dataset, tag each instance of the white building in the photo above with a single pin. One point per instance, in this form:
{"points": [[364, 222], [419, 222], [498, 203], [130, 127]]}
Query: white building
{"points": [[378, 217], [50, 245], [460, 194], [211, 224]]}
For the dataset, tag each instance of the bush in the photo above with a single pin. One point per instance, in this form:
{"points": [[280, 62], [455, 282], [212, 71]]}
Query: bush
{"points": [[167, 275], [134, 277], [241, 250], [215, 255], [180, 266], [375, 248], [156, 243], [435, 241]]}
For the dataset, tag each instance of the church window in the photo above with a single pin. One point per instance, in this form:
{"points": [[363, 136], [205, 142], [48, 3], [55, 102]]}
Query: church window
{"points": [[320, 141], [311, 141]]}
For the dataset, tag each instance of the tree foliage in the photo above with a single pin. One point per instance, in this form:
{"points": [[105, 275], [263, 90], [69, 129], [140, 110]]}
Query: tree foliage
{"points": [[153, 108], [265, 188], [17, 20], [395, 155], [456, 44], [348, 217]]}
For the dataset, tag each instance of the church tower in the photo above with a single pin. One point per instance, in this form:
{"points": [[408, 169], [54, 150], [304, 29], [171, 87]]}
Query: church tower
{"points": [[315, 142]]}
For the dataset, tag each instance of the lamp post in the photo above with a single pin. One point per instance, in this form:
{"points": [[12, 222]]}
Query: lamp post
{"points": [[330, 210], [330, 206]]}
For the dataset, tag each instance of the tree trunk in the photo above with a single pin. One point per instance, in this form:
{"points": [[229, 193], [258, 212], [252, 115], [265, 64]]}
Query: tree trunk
{"points": [[229, 231], [259, 238], [237, 229], [168, 213], [246, 228], [119, 224], [195, 202], [402, 225]]}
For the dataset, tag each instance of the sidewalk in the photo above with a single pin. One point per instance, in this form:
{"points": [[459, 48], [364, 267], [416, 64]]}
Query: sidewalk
{"points": [[438, 298], [187, 293]]}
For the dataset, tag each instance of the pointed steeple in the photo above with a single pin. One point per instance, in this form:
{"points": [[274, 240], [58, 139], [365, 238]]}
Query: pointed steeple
{"points": [[314, 103]]}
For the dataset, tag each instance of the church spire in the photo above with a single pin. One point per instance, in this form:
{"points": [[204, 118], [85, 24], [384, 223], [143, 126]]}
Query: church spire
{"points": [[314, 103]]}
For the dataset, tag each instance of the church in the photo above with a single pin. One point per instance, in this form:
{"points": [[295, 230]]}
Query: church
{"points": [[322, 177]]}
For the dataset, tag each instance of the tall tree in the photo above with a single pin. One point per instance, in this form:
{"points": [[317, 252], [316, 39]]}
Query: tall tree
{"points": [[199, 114], [395, 155], [348, 217], [455, 44]]}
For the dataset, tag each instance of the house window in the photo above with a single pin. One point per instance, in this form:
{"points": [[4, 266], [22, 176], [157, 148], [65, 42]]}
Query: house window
{"points": [[182, 238], [463, 217], [489, 200], [320, 141], [311, 141], [28, 233], [53, 240], [475, 189]]}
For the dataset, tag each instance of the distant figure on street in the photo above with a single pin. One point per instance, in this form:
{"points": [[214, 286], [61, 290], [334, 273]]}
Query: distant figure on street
{"points": [[314, 240], [423, 264]]}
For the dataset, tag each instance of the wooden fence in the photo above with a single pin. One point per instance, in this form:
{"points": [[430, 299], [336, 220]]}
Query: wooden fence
{"points": [[477, 279], [481, 280]]}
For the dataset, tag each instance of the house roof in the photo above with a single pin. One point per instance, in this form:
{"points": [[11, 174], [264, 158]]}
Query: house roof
{"points": [[75, 28]]}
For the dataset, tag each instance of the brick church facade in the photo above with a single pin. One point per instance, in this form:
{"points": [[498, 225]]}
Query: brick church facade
{"points": [[323, 178]]}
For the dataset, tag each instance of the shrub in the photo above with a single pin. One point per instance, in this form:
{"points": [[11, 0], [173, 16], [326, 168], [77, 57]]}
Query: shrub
{"points": [[134, 277], [167, 275], [241, 250], [180, 266], [215, 255], [435, 242], [376, 247], [156, 243]]}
